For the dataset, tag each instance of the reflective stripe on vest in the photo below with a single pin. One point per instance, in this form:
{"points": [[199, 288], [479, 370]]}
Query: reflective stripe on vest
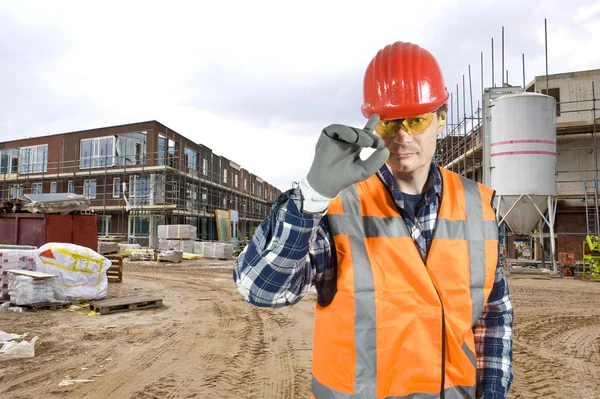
{"points": [[354, 230]]}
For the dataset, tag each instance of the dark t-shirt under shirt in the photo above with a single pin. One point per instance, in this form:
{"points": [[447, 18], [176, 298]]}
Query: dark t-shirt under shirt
{"points": [[411, 201]]}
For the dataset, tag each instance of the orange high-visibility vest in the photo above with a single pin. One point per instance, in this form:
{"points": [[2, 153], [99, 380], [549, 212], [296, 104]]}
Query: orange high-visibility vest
{"points": [[398, 327]]}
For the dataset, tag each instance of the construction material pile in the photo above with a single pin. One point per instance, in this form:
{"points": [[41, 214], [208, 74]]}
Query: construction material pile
{"points": [[14, 259], [177, 237], [183, 238], [25, 290]]}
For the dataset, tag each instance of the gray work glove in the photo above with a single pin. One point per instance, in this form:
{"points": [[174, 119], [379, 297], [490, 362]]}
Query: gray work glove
{"points": [[337, 162]]}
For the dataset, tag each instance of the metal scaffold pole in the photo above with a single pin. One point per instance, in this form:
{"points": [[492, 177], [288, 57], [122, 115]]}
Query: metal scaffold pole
{"points": [[595, 157], [472, 130], [464, 141]]}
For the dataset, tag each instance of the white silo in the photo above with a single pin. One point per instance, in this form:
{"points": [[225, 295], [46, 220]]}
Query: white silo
{"points": [[520, 157]]}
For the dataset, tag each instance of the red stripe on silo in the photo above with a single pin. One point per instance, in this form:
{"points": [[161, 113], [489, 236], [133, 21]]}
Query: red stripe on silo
{"points": [[524, 142], [500, 154]]}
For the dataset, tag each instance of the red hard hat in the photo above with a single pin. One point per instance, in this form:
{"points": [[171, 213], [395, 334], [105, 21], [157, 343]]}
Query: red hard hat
{"points": [[401, 81]]}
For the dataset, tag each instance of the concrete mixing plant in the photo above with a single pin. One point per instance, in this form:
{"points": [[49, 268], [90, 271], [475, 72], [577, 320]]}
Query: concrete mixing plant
{"points": [[520, 158]]}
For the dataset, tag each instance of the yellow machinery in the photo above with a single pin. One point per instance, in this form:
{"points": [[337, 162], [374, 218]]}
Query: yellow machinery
{"points": [[591, 261]]}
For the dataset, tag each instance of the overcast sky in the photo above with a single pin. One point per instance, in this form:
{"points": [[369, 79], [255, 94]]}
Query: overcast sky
{"points": [[256, 81]]}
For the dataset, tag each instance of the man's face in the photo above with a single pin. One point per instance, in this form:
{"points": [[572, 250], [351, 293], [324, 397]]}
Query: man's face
{"points": [[411, 153]]}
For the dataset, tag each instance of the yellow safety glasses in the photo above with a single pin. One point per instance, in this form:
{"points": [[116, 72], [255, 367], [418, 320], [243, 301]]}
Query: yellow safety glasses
{"points": [[412, 126]]}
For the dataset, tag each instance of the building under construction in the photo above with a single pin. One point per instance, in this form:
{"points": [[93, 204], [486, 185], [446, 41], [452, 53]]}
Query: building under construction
{"points": [[463, 150], [138, 176]]}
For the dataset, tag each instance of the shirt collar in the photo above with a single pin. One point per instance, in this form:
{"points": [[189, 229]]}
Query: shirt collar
{"points": [[432, 190]]}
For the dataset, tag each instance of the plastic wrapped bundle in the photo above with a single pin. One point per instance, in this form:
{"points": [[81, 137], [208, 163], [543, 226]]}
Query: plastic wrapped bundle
{"points": [[209, 250], [177, 232], [25, 290], [11, 259], [82, 272], [199, 247], [223, 250]]}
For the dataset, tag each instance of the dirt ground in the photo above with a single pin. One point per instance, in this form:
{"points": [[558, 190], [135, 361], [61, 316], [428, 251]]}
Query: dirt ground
{"points": [[206, 342]]}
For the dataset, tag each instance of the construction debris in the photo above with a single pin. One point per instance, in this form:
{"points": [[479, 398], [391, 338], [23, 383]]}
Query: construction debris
{"points": [[55, 203], [143, 255], [170, 256], [17, 350]]}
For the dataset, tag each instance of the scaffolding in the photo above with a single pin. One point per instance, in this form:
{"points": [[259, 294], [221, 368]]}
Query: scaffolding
{"points": [[133, 193], [462, 150]]}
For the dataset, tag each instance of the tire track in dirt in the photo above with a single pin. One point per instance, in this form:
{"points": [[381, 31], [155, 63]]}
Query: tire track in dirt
{"points": [[235, 364], [151, 362], [139, 361], [279, 356], [242, 349], [551, 349]]}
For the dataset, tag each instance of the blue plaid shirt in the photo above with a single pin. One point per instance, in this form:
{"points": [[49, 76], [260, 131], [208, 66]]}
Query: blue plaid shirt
{"points": [[291, 248]]}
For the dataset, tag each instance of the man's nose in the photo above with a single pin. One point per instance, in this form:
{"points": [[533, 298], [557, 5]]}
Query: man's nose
{"points": [[402, 136]]}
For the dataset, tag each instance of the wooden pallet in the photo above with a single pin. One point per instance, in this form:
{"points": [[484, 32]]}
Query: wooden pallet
{"points": [[114, 305], [115, 271], [45, 305]]}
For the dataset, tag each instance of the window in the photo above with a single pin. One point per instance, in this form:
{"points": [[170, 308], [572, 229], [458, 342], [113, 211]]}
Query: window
{"points": [[129, 149], [53, 187], [191, 196], [36, 188], [191, 159], [15, 191], [89, 188], [245, 184], [235, 180], [139, 187], [252, 192], [9, 161], [171, 153], [205, 166], [139, 226], [116, 187], [98, 152], [33, 159], [162, 150], [225, 202], [71, 189], [104, 227], [175, 193], [224, 175], [191, 191], [159, 188], [556, 94]]}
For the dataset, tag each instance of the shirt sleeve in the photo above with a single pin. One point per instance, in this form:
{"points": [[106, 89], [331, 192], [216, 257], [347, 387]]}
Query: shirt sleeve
{"points": [[493, 342], [275, 268]]}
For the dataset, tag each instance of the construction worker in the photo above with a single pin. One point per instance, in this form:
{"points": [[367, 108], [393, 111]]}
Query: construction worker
{"points": [[411, 299]]}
